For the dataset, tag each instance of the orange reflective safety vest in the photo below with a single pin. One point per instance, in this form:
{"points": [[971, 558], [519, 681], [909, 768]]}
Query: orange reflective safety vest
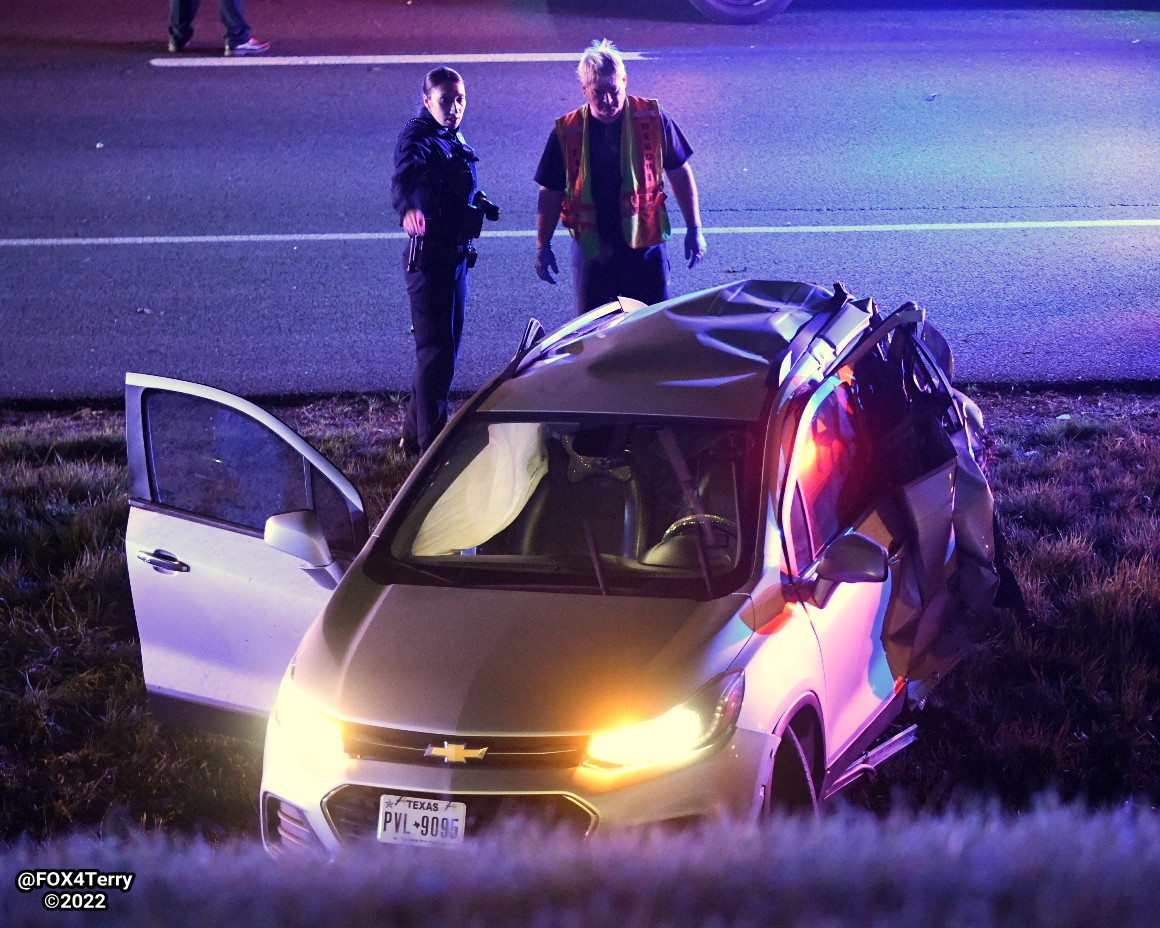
{"points": [[644, 219]]}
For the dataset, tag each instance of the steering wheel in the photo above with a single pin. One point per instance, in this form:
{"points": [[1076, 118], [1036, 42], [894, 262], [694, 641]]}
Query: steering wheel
{"points": [[727, 526]]}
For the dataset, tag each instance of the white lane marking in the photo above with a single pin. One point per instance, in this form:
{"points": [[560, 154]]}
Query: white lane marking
{"points": [[207, 61], [529, 233], [203, 239], [941, 226]]}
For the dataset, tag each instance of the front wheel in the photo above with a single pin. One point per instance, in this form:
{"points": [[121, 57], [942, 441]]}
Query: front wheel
{"points": [[739, 12], [792, 789]]}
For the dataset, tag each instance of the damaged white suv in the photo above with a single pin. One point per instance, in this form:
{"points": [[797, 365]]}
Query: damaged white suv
{"points": [[677, 562]]}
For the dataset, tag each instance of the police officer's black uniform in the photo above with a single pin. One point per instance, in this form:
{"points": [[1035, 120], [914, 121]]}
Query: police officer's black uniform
{"points": [[435, 173]]}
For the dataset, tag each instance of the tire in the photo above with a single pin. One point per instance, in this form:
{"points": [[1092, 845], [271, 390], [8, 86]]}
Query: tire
{"points": [[792, 788], [739, 12]]}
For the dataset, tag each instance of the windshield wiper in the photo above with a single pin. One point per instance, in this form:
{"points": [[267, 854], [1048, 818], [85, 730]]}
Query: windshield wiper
{"points": [[430, 574]]}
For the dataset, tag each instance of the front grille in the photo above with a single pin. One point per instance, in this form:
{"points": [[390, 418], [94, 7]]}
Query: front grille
{"points": [[353, 811], [287, 829], [368, 742]]}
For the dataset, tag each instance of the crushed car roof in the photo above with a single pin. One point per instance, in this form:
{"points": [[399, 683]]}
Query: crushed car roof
{"points": [[712, 354]]}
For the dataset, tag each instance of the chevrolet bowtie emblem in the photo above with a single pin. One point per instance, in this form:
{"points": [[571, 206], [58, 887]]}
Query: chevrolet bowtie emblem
{"points": [[454, 753]]}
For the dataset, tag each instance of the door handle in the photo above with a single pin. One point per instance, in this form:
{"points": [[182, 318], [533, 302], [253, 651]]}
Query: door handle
{"points": [[163, 561]]}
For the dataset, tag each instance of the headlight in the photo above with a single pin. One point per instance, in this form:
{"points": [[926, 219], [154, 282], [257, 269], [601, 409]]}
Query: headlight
{"points": [[317, 735], [700, 721]]}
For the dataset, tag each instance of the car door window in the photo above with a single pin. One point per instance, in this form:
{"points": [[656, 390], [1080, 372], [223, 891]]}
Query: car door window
{"points": [[831, 484], [345, 530], [215, 462], [830, 474], [803, 549], [219, 464]]}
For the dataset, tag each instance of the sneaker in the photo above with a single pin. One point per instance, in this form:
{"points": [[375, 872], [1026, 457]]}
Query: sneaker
{"points": [[175, 46], [250, 47]]}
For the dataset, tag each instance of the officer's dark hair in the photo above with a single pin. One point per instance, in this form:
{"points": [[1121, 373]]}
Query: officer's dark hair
{"points": [[438, 78]]}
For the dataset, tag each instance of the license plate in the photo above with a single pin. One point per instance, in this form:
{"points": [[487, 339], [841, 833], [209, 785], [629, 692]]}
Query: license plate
{"points": [[422, 822]]}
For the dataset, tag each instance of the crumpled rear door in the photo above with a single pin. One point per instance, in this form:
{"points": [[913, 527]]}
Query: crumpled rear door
{"points": [[945, 577]]}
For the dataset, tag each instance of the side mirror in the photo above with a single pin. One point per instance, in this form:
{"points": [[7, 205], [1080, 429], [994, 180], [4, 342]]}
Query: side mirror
{"points": [[854, 558], [299, 534], [850, 558]]}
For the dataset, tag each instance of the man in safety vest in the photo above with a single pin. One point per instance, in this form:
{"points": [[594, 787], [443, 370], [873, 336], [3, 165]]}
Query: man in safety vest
{"points": [[602, 175]]}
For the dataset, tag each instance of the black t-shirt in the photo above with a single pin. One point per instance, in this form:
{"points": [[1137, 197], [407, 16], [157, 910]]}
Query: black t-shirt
{"points": [[604, 156]]}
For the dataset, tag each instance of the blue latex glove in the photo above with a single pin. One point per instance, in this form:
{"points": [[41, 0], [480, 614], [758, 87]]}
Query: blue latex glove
{"points": [[546, 264], [695, 246]]}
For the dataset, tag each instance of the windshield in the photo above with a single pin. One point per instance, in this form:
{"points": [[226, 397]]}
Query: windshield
{"points": [[652, 508]]}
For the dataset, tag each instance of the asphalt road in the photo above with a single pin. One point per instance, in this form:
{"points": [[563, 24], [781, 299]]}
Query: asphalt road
{"points": [[228, 221]]}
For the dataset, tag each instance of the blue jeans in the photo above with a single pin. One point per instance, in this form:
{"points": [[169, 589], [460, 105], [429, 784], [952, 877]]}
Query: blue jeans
{"points": [[182, 12]]}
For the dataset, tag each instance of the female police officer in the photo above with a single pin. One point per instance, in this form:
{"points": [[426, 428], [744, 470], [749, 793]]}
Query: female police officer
{"points": [[437, 197]]}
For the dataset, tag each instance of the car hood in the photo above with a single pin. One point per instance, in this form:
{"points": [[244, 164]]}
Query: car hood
{"points": [[501, 661]]}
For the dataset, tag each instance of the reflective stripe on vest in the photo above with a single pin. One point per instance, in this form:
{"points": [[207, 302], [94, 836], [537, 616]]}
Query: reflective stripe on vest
{"points": [[644, 219]]}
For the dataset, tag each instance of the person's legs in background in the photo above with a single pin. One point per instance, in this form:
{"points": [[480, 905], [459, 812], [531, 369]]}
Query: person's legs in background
{"points": [[639, 273], [181, 14], [234, 21]]}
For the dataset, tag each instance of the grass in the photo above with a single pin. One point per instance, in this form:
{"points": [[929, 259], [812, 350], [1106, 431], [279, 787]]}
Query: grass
{"points": [[1061, 696], [78, 746], [1064, 693], [1051, 867]]}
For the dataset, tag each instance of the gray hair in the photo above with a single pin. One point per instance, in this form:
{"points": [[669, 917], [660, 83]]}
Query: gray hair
{"points": [[600, 59]]}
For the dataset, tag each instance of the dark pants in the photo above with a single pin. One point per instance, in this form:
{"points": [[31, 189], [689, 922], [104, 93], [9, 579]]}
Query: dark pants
{"points": [[182, 12], [640, 273], [438, 295]]}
